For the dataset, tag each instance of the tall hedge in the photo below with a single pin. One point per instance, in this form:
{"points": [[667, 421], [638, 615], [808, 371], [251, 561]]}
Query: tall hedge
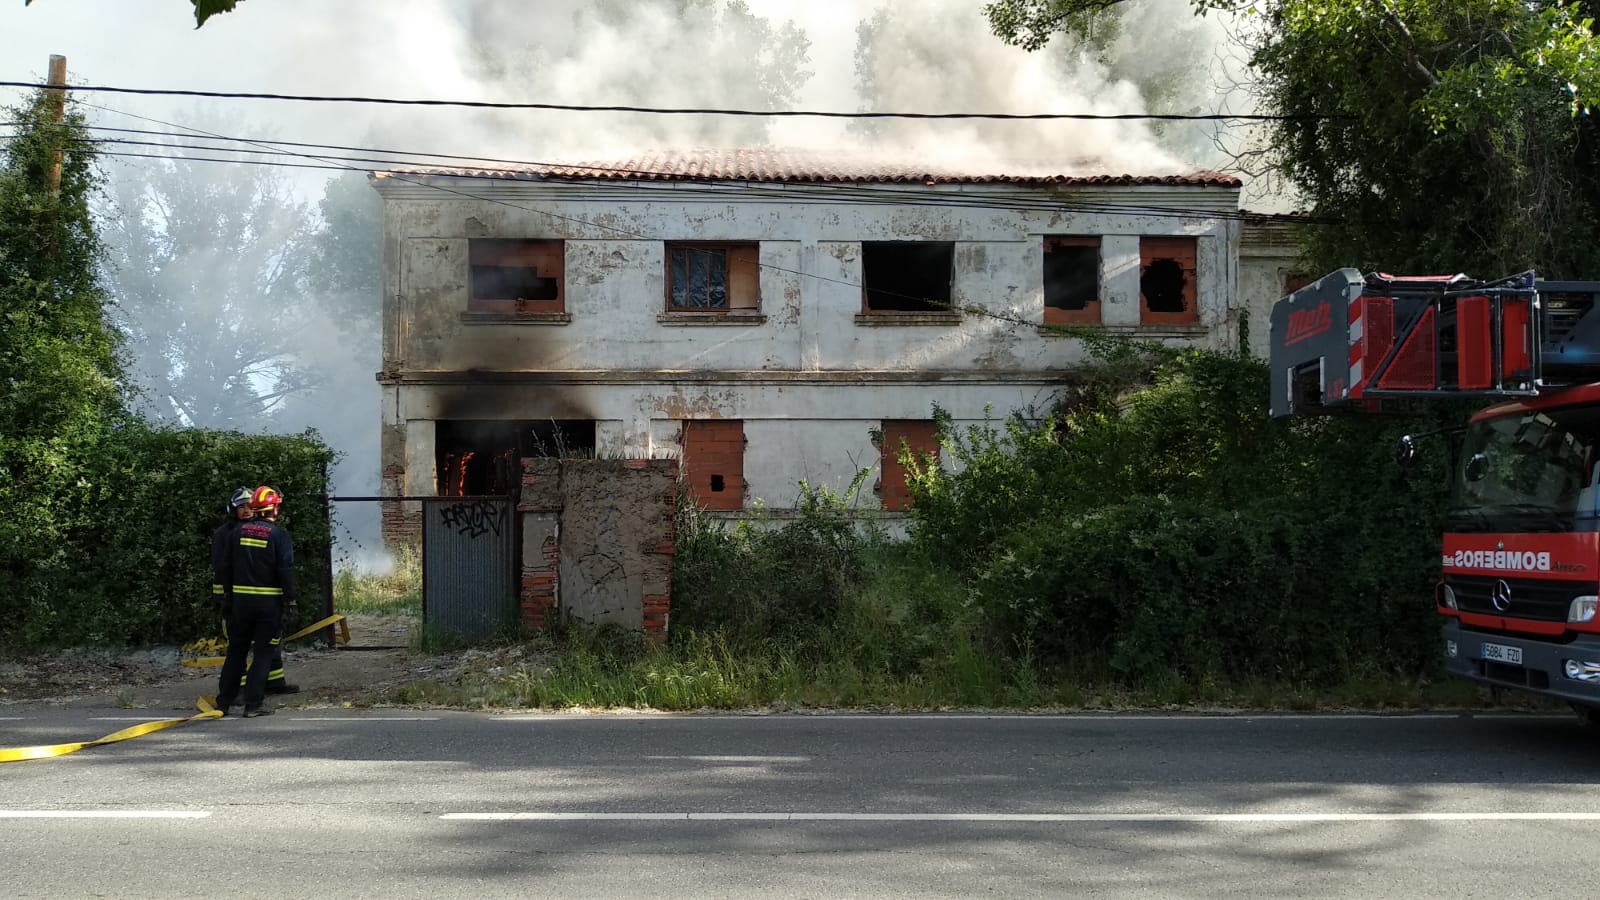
{"points": [[134, 567], [105, 522], [1175, 531]]}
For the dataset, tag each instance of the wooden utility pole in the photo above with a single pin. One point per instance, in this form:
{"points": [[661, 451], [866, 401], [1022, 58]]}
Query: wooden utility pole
{"points": [[57, 100]]}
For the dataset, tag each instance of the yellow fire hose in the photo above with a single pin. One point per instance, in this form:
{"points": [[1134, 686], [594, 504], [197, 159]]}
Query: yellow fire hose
{"points": [[204, 704], [46, 751], [213, 646]]}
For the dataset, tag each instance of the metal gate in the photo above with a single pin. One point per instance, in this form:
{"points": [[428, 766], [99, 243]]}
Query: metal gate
{"points": [[469, 562]]}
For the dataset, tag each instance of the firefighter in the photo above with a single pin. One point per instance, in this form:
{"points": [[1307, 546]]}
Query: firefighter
{"points": [[257, 591], [239, 511]]}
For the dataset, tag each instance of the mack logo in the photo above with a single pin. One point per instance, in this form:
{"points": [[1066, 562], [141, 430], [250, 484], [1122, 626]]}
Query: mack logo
{"points": [[1503, 560], [1306, 324]]}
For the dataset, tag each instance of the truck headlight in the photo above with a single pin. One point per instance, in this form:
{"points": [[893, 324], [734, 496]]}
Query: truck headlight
{"points": [[1447, 596], [1583, 609]]}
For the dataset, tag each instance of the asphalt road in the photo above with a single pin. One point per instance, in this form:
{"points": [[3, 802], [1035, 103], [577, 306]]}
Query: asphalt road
{"points": [[455, 805]]}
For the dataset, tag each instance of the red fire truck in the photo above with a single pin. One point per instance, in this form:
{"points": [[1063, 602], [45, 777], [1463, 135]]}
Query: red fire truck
{"points": [[1520, 581]]}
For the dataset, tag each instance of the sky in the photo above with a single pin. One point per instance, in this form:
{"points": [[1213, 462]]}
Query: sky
{"points": [[938, 55], [931, 56]]}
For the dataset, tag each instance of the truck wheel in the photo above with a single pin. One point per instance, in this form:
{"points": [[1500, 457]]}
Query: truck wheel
{"points": [[1588, 716]]}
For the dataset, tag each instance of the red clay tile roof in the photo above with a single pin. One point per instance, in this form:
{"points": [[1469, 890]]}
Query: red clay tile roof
{"points": [[788, 166]]}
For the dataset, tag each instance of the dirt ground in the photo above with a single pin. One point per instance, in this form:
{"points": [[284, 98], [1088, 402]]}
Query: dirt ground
{"points": [[153, 679]]}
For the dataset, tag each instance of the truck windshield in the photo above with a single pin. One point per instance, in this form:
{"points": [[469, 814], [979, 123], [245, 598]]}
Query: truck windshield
{"points": [[1533, 472]]}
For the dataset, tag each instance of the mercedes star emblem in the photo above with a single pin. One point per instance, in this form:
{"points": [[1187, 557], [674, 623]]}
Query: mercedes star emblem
{"points": [[1501, 596]]}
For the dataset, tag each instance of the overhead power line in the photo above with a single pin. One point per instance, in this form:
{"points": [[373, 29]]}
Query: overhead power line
{"points": [[407, 163], [674, 111], [335, 163]]}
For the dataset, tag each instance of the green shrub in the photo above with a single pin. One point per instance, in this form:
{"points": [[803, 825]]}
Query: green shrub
{"points": [[132, 560], [755, 582], [1165, 527]]}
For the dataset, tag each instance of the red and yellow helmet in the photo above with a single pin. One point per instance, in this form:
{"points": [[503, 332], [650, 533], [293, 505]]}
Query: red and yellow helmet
{"points": [[265, 498]]}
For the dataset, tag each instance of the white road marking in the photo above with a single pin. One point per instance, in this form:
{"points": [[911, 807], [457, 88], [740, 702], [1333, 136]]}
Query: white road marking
{"points": [[13, 718], [1249, 717], [102, 814], [738, 759], [1129, 818], [364, 719]]}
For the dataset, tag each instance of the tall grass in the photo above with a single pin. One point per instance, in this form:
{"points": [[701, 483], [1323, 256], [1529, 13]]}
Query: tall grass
{"points": [[399, 592]]}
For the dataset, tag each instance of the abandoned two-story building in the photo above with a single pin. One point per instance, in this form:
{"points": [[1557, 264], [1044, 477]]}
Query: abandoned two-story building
{"points": [[767, 318]]}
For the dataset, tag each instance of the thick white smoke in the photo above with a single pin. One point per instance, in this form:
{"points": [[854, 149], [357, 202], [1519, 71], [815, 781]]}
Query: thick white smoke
{"points": [[902, 55]]}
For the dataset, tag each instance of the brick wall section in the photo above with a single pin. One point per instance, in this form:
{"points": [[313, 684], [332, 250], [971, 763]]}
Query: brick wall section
{"points": [[598, 541], [922, 436], [540, 504], [399, 528], [713, 456]]}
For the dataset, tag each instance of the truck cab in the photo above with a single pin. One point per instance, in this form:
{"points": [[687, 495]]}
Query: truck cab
{"points": [[1520, 581], [1520, 561]]}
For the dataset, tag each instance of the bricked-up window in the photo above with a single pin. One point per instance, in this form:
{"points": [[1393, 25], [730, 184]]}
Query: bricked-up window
{"points": [[712, 462], [1294, 281], [907, 276], [1071, 280], [921, 437], [713, 278], [1167, 281], [517, 276]]}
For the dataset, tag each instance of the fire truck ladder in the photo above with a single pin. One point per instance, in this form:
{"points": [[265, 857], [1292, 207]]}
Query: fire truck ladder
{"points": [[1349, 341]]}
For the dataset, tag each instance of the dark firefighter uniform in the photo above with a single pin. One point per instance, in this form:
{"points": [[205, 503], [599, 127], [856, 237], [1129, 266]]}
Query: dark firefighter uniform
{"points": [[277, 681], [257, 584]]}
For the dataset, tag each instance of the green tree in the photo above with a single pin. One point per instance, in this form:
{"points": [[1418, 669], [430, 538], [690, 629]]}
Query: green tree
{"points": [[209, 268], [347, 269], [59, 368]]}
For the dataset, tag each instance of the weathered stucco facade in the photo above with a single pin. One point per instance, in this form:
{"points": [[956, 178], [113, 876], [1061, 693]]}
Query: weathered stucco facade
{"points": [[536, 312]]}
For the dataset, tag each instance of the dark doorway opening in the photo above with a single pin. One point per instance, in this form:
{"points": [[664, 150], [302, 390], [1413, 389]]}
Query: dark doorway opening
{"points": [[481, 457]]}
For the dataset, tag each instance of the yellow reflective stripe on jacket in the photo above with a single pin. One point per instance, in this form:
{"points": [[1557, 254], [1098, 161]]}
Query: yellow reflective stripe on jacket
{"points": [[258, 591], [216, 589], [252, 542]]}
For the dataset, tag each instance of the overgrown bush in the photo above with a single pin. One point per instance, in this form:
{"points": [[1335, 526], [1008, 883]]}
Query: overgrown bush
{"points": [[133, 563], [756, 581], [1175, 531]]}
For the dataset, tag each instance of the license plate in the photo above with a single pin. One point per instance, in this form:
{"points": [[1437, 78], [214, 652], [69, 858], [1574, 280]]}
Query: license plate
{"points": [[1502, 653]]}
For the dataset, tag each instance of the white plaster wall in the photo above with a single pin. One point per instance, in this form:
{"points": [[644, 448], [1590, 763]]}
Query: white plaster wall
{"points": [[1261, 279], [810, 280], [780, 453]]}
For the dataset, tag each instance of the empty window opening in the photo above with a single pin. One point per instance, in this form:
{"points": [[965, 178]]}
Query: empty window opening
{"points": [[1071, 280], [484, 457], [717, 484], [1167, 279], [1162, 285], [516, 275], [713, 277], [907, 276]]}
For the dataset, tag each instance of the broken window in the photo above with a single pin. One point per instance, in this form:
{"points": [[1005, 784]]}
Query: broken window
{"points": [[712, 462], [921, 437], [1071, 280], [1167, 281], [484, 457], [517, 276], [907, 276], [713, 278]]}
